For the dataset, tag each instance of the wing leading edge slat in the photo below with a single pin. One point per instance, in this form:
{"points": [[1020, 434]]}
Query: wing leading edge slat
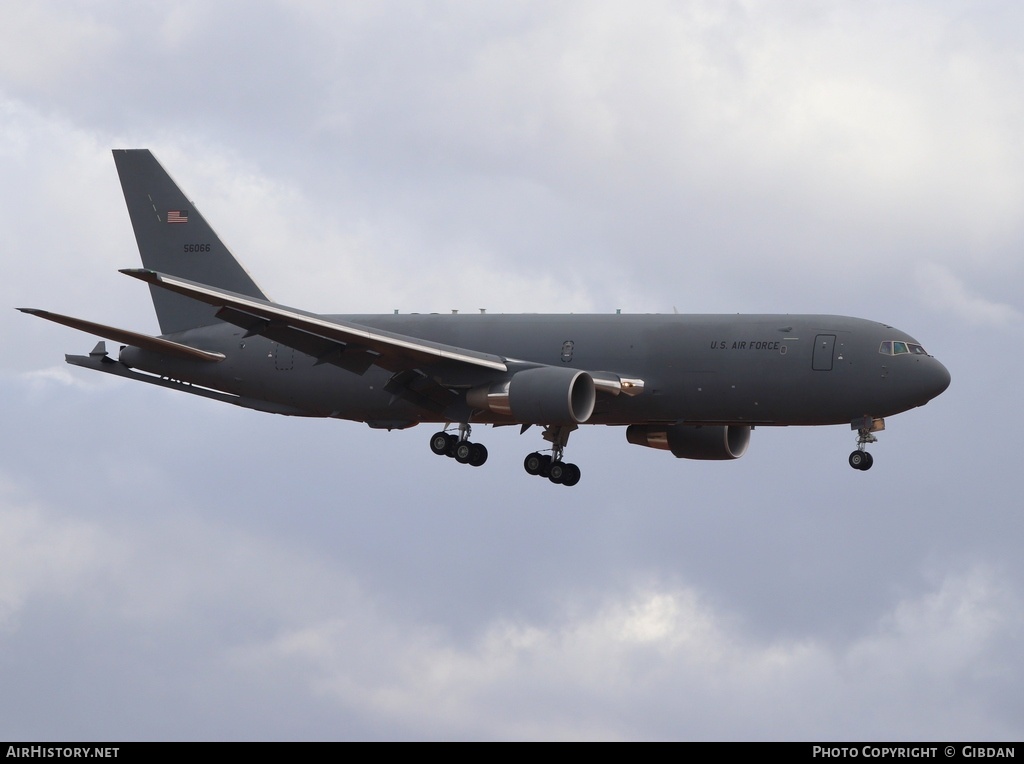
{"points": [[322, 338]]}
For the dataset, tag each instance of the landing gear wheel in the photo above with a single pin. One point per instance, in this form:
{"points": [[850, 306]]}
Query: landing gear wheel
{"points": [[545, 466], [570, 474], [453, 441], [439, 443], [556, 472], [477, 455], [463, 451], [861, 460], [532, 463]]}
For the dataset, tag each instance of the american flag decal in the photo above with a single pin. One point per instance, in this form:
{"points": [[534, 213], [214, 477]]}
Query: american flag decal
{"points": [[177, 216]]}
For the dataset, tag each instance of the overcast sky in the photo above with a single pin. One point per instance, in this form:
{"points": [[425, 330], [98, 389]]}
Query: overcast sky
{"points": [[174, 568]]}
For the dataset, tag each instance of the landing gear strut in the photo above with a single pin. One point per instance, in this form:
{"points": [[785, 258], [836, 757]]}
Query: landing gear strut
{"points": [[865, 427], [458, 447], [551, 465]]}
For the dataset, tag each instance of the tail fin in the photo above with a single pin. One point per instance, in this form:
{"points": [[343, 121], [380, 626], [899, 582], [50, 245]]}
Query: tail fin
{"points": [[175, 239]]}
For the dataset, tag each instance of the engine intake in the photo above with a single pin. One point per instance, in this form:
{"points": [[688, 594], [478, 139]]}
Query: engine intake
{"points": [[687, 441], [546, 395]]}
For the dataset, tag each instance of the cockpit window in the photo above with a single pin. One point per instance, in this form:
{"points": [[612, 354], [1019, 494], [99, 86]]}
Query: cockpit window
{"points": [[898, 347]]}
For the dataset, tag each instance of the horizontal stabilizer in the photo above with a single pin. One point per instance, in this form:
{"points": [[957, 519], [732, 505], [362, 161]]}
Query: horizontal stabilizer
{"points": [[145, 341], [100, 362]]}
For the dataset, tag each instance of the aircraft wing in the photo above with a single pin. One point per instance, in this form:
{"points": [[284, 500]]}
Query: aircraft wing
{"points": [[352, 346]]}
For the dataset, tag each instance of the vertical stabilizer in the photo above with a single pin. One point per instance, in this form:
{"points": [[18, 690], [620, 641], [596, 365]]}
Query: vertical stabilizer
{"points": [[175, 239]]}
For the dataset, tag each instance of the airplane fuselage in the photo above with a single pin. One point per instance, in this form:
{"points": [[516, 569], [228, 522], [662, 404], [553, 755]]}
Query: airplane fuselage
{"points": [[698, 369]]}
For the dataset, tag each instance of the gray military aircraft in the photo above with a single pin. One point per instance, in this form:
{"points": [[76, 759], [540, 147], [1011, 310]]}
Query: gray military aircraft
{"points": [[694, 385]]}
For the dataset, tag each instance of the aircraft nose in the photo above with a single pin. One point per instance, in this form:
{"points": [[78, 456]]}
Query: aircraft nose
{"points": [[938, 379]]}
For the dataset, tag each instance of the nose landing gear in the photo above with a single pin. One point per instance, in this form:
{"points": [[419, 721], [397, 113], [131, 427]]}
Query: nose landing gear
{"points": [[865, 427]]}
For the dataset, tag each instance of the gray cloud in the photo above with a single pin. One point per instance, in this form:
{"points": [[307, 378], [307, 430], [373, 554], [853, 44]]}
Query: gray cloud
{"points": [[172, 568]]}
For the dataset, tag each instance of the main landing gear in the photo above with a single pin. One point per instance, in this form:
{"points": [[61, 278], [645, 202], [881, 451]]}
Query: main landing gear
{"points": [[865, 427], [551, 465], [458, 447]]}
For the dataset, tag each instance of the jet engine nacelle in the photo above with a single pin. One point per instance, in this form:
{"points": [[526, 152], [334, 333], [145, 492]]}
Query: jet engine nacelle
{"points": [[547, 395], [693, 441]]}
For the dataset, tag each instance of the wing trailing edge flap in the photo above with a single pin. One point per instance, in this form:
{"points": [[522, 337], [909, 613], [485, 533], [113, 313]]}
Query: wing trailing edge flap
{"points": [[347, 356], [351, 346], [126, 337]]}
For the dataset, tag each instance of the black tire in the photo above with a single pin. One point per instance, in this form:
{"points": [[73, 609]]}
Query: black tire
{"points": [[571, 476], [453, 441], [532, 463], [463, 451], [439, 443], [868, 461], [858, 459], [556, 472], [477, 455], [545, 466]]}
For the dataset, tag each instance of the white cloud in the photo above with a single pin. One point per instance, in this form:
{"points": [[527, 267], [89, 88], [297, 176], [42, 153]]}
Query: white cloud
{"points": [[46, 47], [43, 556], [41, 380], [664, 663], [938, 287], [952, 628]]}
